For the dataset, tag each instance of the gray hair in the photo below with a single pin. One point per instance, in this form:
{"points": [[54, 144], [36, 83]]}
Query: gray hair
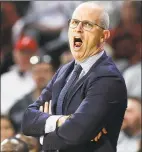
{"points": [[104, 20], [104, 17]]}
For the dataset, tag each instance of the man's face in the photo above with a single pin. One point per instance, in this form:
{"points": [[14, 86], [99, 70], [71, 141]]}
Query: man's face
{"points": [[22, 59], [42, 73], [7, 129], [90, 39]]}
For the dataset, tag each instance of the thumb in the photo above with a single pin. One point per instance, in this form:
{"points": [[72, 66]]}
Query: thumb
{"points": [[46, 107]]}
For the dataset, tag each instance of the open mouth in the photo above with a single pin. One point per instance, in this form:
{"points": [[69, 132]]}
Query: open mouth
{"points": [[77, 42]]}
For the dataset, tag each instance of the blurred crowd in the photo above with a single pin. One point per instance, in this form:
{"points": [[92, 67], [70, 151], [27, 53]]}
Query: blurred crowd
{"points": [[34, 43]]}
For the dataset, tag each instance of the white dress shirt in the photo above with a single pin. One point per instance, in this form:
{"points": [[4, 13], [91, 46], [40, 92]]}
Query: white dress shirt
{"points": [[132, 76], [50, 124], [127, 144], [14, 87]]}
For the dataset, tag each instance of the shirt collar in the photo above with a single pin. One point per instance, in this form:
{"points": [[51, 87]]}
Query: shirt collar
{"points": [[87, 64]]}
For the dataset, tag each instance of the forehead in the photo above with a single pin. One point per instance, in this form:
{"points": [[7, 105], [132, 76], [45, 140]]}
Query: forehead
{"points": [[87, 12]]}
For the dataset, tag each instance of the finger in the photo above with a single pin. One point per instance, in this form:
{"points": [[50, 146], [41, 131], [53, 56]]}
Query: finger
{"points": [[99, 135], [50, 107], [41, 108], [60, 122], [96, 139], [104, 131], [46, 107]]}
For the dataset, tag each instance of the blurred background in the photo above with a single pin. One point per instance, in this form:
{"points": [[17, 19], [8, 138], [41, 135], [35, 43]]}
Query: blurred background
{"points": [[34, 43]]}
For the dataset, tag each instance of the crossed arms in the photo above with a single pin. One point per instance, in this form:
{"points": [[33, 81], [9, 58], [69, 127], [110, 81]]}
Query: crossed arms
{"points": [[94, 110], [61, 120]]}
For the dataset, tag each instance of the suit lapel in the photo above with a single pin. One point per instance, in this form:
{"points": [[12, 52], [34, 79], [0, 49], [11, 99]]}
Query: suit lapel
{"points": [[74, 89], [59, 84]]}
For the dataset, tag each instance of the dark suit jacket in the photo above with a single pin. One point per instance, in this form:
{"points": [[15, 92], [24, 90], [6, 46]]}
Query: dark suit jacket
{"points": [[97, 100]]}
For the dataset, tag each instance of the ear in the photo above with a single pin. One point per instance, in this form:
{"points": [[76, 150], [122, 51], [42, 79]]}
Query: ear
{"points": [[106, 34]]}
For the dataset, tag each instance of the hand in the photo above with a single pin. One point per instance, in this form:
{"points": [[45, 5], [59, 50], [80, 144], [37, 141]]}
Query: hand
{"points": [[64, 118], [103, 131], [46, 108], [61, 120]]}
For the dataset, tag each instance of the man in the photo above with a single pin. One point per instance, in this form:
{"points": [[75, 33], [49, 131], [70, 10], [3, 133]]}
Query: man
{"points": [[133, 85], [81, 108], [131, 129], [42, 72], [132, 118], [18, 81], [7, 128]]}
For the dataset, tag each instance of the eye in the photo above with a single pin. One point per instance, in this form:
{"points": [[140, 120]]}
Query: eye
{"points": [[74, 22], [88, 25]]}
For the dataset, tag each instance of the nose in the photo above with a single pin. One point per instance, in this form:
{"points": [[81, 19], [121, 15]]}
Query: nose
{"points": [[79, 27]]}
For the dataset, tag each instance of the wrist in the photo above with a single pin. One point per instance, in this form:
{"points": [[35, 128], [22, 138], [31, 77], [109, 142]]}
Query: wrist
{"points": [[62, 119]]}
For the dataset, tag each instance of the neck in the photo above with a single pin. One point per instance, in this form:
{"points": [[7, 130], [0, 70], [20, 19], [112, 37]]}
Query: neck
{"points": [[93, 51], [98, 50]]}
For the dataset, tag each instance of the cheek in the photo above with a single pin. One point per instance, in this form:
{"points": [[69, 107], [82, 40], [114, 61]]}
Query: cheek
{"points": [[92, 41], [96, 39], [128, 116], [69, 35], [23, 60], [133, 118], [46, 77], [49, 75], [10, 132]]}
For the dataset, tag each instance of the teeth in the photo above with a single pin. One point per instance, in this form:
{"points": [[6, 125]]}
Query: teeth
{"points": [[77, 37]]}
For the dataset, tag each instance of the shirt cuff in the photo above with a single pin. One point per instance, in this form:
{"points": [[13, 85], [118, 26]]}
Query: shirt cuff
{"points": [[50, 124], [41, 140]]}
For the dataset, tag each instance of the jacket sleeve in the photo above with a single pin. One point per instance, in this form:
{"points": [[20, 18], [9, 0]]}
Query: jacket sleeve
{"points": [[102, 99], [33, 122]]}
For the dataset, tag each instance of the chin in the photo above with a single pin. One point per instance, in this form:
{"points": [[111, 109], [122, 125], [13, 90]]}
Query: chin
{"points": [[76, 55]]}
